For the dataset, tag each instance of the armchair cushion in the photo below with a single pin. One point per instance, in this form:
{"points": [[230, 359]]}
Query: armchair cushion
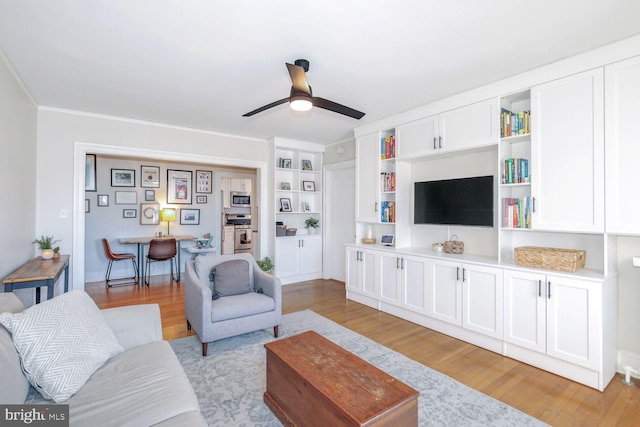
{"points": [[61, 343], [235, 306], [231, 278]]}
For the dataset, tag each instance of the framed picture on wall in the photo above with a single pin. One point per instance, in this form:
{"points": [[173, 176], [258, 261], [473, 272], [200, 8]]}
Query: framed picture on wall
{"points": [[90, 183], [103, 200], [149, 213], [149, 176], [149, 195], [179, 186], [203, 181], [201, 199], [189, 216], [126, 198], [86, 206], [128, 213], [123, 178]]}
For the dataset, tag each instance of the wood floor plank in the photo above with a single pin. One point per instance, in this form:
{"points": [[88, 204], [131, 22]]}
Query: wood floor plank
{"points": [[548, 397]]}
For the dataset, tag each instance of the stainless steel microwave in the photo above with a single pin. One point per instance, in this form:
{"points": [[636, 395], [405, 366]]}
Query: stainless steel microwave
{"points": [[240, 199]]}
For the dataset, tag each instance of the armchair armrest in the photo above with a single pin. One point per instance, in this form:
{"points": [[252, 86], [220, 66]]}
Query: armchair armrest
{"points": [[135, 325], [270, 285]]}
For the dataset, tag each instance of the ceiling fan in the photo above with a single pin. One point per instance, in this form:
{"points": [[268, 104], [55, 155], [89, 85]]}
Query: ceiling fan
{"points": [[301, 97]]}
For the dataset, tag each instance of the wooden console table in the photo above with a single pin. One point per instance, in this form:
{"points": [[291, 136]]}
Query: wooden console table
{"points": [[313, 382], [37, 273]]}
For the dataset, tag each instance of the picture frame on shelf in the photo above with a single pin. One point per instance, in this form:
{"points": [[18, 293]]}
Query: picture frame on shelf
{"points": [[189, 216], [284, 163], [201, 199], [305, 207], [149, 195], [149, 176], [285, 205], [123, 177], [103, 200], [309, 185], [149, 213], [179, 186], [203, 181], [306, 165], [126, 198], [90, 183], [129, 213], [286, 186]]}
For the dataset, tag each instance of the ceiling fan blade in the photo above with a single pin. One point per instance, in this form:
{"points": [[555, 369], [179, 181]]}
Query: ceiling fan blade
{"points": [[298, 78], [337, 108], [266, 107]]}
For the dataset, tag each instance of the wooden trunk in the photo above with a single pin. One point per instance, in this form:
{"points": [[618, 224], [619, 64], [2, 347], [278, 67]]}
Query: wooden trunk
{"points": [[314, 382]]}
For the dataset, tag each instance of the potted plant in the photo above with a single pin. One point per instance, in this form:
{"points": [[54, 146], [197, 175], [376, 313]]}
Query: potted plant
{"points": [[266, 264], [312, 225], [56, 252], [45, 243]]}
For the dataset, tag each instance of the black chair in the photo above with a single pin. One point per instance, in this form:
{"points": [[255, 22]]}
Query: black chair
{"points": [[119, 257], [161, 250]]}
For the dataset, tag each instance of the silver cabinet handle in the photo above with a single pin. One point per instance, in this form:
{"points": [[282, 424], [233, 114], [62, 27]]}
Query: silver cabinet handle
{"points": [[397, 263], [434, 143], [539, 288], [439, 142], [402, 263], [549, 289], [533, 207], [463, 275], [457, 274]]}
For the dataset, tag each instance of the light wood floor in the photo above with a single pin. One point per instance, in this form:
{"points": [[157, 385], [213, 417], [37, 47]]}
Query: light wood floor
{"points": [[550, 398]]}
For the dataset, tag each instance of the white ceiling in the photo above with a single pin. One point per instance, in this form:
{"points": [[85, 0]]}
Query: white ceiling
{"points": [[203, 63]]}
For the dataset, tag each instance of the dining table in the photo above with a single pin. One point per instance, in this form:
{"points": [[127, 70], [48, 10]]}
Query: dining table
{"points": [[143, 241]]}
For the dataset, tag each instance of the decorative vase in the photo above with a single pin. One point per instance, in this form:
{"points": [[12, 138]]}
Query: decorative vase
{"points": [[47, 253]]}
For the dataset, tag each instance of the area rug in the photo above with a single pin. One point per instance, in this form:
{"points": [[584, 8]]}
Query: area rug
{"points": [[231, 380]]}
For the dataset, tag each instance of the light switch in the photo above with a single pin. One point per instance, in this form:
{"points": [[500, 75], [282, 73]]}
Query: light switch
{"points": [[636, 261]]}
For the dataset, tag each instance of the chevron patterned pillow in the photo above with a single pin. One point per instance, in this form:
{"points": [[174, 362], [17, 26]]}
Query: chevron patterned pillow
{"points": [[61, 343]]}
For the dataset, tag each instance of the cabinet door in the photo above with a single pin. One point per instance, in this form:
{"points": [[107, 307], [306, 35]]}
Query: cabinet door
{"points": [[472, 126], [288, 256], [310, 255], [367, 179], [574, 320], [482, 300], [567, 153], [622, 101], [352, 267], [418, 138], [389, 278], [414, 274], [524, 309], [445, 298], [225, 185], [368, 273]]}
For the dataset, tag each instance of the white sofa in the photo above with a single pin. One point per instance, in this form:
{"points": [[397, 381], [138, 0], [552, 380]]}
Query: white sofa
{"points": [[143, 386]]}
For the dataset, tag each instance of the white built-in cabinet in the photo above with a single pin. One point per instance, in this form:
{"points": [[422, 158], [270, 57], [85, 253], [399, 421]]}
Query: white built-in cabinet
{"points": [[622, 102], [567, 153], [298, 255], [361, 271], [367, 159], [471, 126]]}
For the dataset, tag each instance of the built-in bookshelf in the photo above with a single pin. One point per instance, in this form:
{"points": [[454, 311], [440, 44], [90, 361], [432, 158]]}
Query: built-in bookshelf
{"points": [[388, 177]]}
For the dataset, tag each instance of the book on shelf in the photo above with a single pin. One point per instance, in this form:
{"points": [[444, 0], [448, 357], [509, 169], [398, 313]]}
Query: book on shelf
{"points": [[515, 171], [387, 181], [388, 212], [512, 124], [388, 147], [516, 212]]}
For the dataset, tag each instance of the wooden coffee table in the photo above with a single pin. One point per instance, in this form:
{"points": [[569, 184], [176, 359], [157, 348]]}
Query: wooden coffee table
{"points": [[314, 382]]}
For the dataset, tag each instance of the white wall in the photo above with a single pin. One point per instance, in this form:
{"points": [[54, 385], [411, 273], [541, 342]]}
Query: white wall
{"points": [[18, 116], [60, 132]]}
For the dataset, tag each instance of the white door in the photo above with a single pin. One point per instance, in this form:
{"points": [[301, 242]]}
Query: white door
{"points": [[622, 103], [418, 138], [474, 125], [414, 280], [445, 298], [574, 320], [367, 180], [525, 309], [389, 278], [482, 300], [339, 219], [567, 153], [288, 256], [310, 255]]}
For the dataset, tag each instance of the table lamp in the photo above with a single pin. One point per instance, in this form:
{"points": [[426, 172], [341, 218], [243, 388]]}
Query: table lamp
{"points": [[168, 214]]}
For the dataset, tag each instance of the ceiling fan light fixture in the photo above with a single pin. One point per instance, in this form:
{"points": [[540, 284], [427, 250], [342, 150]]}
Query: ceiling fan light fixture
{"points": [[300, 103]]}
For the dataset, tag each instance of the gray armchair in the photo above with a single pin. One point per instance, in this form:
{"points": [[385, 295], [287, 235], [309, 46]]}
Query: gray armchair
{"points": [[256, 306]]}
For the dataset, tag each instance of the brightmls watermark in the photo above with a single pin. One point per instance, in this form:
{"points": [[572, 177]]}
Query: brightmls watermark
{"points": [[34, 415]]}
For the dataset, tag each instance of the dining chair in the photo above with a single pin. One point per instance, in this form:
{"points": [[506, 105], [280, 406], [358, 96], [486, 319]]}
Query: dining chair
{"points": [[161, 250], [119, 257]]}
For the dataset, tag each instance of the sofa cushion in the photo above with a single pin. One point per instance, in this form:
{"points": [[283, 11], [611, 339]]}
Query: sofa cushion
{"points": [[15, 386], [236, 306], [232, 278], [61, 343]]}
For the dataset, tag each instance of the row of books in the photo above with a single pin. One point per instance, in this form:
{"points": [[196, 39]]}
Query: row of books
{"points": [[514, 123], [516, 213], [515, 171], [388, 147], [388, 212], [387, 181]]}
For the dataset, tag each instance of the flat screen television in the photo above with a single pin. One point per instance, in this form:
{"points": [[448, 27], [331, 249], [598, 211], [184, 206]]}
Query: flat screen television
{"points": [[462, 201]]}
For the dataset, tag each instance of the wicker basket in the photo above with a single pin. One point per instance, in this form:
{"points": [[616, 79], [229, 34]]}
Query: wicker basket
{"points": [[453, 246], [570, 260]]}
